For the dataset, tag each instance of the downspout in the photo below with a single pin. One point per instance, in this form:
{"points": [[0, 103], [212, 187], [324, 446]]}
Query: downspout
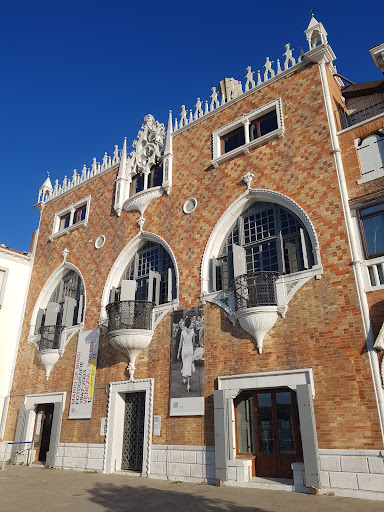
{"points": [[357, 264]]}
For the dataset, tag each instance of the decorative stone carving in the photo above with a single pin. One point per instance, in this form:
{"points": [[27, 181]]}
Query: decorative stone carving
{"points": [[257, 322], [48, 359], [247, 178], [64, 254], [288, 56], [130, 342], [140, 201]]}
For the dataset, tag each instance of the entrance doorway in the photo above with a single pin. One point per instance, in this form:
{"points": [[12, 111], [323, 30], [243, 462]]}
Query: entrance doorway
{"points": [[42, 432], [133, 436], [267, 429]]}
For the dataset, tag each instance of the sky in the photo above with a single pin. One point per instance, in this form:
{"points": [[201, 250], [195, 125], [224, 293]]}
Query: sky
{"points": [[79, 75]]}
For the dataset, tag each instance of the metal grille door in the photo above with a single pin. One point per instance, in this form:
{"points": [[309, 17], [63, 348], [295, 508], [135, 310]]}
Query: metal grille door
{"points": [[133, 438]]}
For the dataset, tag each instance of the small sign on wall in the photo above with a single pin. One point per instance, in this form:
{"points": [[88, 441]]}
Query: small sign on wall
{"points": [[103, 426], [156, 425]]}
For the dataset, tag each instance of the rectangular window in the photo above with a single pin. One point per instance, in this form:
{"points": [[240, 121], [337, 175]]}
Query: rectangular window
{"points": [[232, 140], [80, 214], [370, 151], [263, 125], [64, 221], [72, 217], [372, 227], [251, 130]]}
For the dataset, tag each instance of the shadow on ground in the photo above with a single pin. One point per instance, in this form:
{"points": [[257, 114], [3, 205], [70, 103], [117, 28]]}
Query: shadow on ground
{"points": [[144, 499]]}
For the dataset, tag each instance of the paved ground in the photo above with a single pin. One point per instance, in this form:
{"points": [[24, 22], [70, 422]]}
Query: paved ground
{"points": [[54, 490]]}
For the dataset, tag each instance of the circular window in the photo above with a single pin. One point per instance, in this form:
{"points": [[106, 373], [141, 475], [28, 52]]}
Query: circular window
{"points": [[100, 241], [190, 205]]}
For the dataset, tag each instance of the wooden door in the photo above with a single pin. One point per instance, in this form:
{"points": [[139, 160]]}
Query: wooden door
{"points": [[42, 431], [267, 429]]}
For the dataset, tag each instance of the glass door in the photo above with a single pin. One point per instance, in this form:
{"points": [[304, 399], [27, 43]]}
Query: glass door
{"points": [[268, 429]]}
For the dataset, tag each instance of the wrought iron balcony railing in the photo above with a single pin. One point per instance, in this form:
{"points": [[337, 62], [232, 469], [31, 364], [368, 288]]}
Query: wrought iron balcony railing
{"points": [[361, 110], [255, 289], [50, 337], [129, 314]]}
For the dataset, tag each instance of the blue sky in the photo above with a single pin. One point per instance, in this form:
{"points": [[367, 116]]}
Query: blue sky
{"points": [[79, 76]]}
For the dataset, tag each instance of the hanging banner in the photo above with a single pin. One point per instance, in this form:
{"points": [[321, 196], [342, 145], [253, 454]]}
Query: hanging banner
{"points": [[84, 375], [187, 363]]}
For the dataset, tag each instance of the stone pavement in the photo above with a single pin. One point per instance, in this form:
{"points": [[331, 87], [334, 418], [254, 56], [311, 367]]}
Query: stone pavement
{"points": [[38, 490]]}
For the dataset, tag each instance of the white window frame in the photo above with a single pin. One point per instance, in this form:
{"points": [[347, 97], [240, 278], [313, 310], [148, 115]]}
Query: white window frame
{"points": [[369, 174], [246, 120], [3, 284], [71, 209]]}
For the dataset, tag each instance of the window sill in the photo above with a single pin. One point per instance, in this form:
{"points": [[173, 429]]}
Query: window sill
{"points": [[371, 176], [66, 231], [246, 148]]}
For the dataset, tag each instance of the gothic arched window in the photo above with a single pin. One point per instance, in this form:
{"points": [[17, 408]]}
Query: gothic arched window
{"points": [[149, 276], [266, 237]]}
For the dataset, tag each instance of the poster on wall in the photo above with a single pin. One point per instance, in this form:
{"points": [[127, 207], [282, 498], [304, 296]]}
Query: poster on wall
{"points": [[187, 362], [84, 375]]}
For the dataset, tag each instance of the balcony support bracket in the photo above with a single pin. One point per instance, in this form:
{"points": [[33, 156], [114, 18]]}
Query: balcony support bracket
{"points": [[257, 321]]}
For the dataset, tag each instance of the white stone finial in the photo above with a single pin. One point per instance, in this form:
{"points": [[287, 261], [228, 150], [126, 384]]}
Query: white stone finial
{"points": [[105, 162], [278, 67], [215, 102], [301, 55], [259, 81], [115, 155], [183, 117], [268, 69], [198, 111], [288, 56], [250, 83]]}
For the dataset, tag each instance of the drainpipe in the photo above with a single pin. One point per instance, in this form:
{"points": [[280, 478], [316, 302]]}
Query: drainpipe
{"points": [[357, 264]]}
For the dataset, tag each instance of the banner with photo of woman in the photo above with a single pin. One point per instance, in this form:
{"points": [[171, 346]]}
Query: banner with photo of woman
{"points": [[187, 362]]}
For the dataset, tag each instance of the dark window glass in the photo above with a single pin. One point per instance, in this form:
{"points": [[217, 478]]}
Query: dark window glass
{"points": [[137, 183], [263, 125], [64, 221], [151, 256], [274, 240], [80, 214], [233, 140], [372, 221], [155, 178], [265, 423]]}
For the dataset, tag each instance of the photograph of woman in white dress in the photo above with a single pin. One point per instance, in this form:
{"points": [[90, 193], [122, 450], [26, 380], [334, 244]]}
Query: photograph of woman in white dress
{"points": [[187, 353]]}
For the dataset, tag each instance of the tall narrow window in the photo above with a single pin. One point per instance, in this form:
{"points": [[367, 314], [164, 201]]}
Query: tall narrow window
{"points": [[371, 156], [372, 227]]}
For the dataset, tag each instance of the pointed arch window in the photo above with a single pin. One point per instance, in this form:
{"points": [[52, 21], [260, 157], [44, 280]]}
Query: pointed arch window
{"points": [[266, 237], [64, 309], [149, 276]]}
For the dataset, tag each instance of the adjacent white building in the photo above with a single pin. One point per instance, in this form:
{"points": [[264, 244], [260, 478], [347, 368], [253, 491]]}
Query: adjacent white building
{"points": [[15, 272]]}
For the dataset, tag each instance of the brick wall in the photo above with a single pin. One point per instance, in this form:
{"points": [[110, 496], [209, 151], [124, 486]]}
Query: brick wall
{"points": [[322, 328]]}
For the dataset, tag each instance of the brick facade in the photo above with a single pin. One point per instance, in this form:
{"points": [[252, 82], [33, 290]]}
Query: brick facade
{"points": [[322, 329]]}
